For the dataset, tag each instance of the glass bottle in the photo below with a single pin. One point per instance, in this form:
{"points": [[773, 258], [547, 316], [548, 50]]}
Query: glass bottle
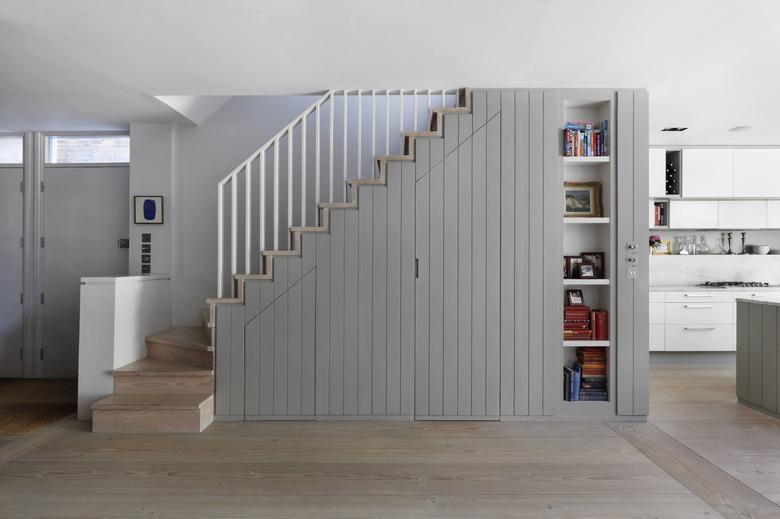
{"points": [[678, 245], [703, 247], [691, 245]]}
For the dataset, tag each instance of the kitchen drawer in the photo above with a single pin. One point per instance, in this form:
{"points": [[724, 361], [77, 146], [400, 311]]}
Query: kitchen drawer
{"points": [[709, 296], [699, 312], [657, 313], [712, 337], [656, 337], [657, 297]]}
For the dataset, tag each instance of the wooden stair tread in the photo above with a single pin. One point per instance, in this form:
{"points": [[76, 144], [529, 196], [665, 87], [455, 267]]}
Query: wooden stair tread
{"points": [[156, 402], [193, 338], [156, 367]]}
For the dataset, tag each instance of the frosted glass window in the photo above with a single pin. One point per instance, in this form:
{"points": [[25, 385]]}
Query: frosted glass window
{"points": [[88, 149], [11, 149]]}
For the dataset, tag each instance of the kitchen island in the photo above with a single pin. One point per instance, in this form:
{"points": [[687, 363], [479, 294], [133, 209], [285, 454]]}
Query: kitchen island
{"points": [[758, 359]]}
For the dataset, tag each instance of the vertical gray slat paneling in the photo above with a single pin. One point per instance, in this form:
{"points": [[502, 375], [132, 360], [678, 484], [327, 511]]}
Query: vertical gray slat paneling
{"points": [[294, 349], [465, 252], [252, 368], [450, 286], [322, 336], [493, 268], [435, 273], [522, 251], [280, 354], [351, 271], [479, 266], [493, 103], [743, 347], [236, 360], [337, 265], [536, 254], [769, 359], [422, 306], [266, 369], [365, 303], [755, 353], [308, 334], [407, 287], [479, 109], [294, 270], [394, 265], [623, 313], [308, 252], [422, 153], [266, 294], [379, 294], [641, 375], [465, 127], [450, 133], [222, 361], [553, 240], [437, 150], [252, 298], [507, 253]]}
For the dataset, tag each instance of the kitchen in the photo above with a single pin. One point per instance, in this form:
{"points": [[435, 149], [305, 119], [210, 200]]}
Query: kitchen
{"points": [[714, 222]]}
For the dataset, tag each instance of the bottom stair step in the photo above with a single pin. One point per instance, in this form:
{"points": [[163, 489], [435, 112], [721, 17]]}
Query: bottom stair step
{"points": [[161, 413]]}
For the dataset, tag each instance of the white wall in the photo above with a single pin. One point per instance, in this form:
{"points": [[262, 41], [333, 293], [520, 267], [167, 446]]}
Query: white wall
{"points": [[191, 160]]}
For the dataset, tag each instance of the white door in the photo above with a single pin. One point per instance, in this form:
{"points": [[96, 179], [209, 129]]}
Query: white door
{"points": [[85, 213], [693, 214], [707, 173], [742, 214], [757, 173], [11, 231], [657, 173]]}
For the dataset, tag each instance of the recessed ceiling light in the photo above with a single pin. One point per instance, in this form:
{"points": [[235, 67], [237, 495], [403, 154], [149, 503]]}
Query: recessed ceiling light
{"points": [[741, 128], [675, 129]]}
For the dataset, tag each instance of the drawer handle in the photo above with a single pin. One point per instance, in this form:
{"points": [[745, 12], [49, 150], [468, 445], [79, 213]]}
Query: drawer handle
{"points": [[698, 306], [699, 329], [697, 295]]}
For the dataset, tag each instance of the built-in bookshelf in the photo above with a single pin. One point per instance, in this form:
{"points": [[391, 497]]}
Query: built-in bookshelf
{"points": [[588, 230]]}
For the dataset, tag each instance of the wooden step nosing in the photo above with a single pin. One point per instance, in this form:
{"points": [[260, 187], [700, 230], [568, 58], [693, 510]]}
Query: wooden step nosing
{"points": [[181, 344], [204, 372]]}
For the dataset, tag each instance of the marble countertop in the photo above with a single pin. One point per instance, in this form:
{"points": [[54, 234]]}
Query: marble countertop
{"points": [[761, 300], [691, 288]]}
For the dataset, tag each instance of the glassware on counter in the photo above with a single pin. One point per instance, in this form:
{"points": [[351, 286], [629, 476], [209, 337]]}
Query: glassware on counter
{"points": [[703, 247]]}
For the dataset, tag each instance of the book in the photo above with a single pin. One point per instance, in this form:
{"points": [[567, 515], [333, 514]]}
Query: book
{"points": [[567, 373], [576, 381], [584, 139]]}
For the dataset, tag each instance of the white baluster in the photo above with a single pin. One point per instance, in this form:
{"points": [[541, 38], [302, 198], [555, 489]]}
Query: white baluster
{"points": [[233, 229], [303, 171], [344, 151], [248, 219], [289, 179], [359, 134], [330, 177], [387, 122], [373, 130], [443, 98], [317, 199], [220, 239], [261, 211], [414, 96], [401, 116], [276, 194]]}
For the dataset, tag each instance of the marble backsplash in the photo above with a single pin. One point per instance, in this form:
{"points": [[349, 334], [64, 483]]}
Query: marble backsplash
{"points": [[691, 270]]}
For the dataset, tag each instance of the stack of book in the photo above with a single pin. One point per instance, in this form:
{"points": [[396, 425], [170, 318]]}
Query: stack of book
{"points": [[659, 214], [576, 323], [583, 139], [586, 379], [599, 326]]}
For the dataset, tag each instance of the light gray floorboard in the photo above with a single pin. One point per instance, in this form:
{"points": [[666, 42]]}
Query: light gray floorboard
{"points": [[379, 293]]}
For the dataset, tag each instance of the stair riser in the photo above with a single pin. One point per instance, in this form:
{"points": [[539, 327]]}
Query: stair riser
{"points": [[152, 421], [163, 385], [179, 355]]}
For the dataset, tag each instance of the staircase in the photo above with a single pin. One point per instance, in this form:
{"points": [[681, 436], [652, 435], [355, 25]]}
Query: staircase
{"points": [[171, 390]]}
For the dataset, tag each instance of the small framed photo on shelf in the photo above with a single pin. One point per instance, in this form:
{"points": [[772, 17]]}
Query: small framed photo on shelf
{"points": [[663, 247], [575, 297], [148, 209], [582, 199], [597, 260], [571, 267], [587, 271]]}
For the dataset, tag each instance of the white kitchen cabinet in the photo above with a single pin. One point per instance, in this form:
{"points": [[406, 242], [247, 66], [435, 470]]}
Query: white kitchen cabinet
{"points": [[773, 214], [657, 170], [700, 337], [707, 173], [757, 173], [693, 214], [742, 214], [657, 339], [699, 313]]}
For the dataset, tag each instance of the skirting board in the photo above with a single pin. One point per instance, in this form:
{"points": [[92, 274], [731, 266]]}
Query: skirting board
{"points": [[758, 408], [458, 418], [581, 418]]}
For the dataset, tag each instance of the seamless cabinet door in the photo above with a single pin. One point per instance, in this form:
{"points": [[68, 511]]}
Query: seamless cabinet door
{"points": [[693, 214], [757, 173], [773, 214], [707, 173], [742, 214]]}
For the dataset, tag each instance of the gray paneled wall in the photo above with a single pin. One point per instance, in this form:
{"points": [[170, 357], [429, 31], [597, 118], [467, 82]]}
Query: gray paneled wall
{"points": [[348, 330]]}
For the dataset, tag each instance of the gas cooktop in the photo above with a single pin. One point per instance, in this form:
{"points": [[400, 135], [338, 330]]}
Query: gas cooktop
{"points": [[728, 284]]}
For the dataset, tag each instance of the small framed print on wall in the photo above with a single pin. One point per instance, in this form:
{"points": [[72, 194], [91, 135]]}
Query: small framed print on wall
{"points": [[148, 209]]}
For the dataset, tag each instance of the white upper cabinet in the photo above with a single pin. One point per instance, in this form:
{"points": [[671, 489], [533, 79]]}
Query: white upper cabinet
{"points": [[742, 214], [707, 173], [657, 171], [773, 214], [757, 173], [693, 214]]}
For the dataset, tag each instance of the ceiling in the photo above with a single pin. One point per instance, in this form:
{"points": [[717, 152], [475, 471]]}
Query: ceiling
{"points": [[94, 64]]}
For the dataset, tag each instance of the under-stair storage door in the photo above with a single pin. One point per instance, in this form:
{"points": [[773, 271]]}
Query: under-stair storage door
{"points": [[11, 230], [457, 293]]}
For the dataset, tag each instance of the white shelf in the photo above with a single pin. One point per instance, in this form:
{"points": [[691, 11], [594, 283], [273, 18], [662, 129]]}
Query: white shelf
{"points": [[591, 220], [584, 282], [602, 344], [585, 160]]}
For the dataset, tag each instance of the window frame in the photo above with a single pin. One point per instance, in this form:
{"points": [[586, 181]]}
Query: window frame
{"points": [[14, 164], [47, 164]]}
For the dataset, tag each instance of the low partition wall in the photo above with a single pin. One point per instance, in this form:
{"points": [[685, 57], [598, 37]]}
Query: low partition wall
{"points": [[758, 358], [116, 315]]}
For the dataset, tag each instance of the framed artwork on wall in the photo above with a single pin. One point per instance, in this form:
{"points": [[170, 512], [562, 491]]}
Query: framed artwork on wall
{"points": [[597, 260], [148, 209]]}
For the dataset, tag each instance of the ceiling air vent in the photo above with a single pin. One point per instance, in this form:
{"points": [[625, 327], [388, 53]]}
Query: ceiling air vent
{"points": [[675, 129]]}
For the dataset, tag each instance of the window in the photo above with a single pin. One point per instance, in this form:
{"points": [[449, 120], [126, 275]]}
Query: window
{"points": [[87, 149], [11, 149]]}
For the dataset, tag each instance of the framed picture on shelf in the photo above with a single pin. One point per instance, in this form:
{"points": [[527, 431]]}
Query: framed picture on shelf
{"points": [[148, 209], [662, 247], [582, 199], [575, 297], [571, 266], [587, 271], [597, 260]]}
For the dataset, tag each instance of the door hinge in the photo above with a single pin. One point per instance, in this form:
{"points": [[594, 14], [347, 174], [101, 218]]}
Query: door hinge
{"points": [[41, 353], [416, 268], [43, 242], [43, 298], [21, 187], [43, 186]]}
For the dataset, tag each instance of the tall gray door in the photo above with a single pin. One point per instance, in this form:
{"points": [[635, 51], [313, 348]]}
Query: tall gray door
{"points": [[11, 230], [85, 213], [457, 292]]}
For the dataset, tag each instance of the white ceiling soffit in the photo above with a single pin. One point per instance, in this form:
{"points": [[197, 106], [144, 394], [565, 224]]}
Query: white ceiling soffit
{"points": [[709, 65], [195, 108]]}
